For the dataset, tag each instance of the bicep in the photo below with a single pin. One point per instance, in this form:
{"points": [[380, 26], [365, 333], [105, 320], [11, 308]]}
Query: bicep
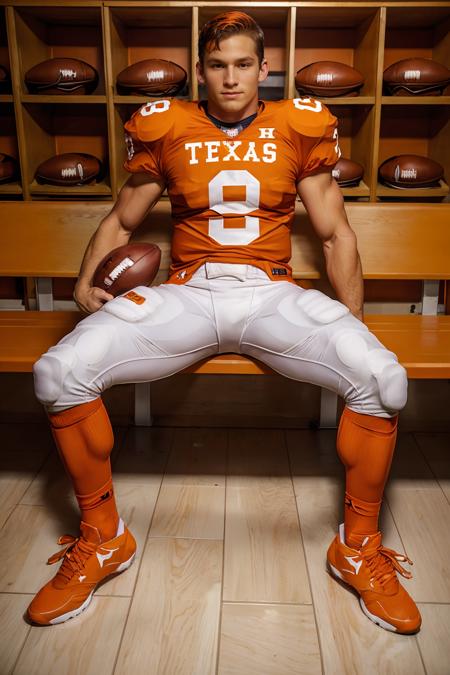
{"points": [[136, 198], [324, 203]]}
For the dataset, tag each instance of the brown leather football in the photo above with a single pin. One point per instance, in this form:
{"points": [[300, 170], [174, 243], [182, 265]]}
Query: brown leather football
{"points": [[126, 267], [61, 76], [410, 171], [347, 172], [5, 80], [329, 78], [152, 77], [69, 168], [9, 169], [416, 77]]}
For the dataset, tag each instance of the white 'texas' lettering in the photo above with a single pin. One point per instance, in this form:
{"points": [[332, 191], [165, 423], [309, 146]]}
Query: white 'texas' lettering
{"points": [[227, 151]]}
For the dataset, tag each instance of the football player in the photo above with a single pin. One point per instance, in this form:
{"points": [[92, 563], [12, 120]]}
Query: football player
{"points": [[233, 166]]}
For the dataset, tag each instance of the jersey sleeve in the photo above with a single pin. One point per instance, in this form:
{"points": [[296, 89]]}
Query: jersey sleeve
{"points": [[144, 134], [142, 159], [317, 130]]}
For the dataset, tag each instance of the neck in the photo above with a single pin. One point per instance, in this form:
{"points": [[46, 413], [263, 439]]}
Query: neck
{"points": [[232, 116]]}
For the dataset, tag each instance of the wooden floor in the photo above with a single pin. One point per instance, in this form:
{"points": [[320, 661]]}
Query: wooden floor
{"points": [[232, 529]]}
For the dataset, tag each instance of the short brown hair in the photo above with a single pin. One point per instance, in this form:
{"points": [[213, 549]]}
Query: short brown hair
{"points": [[223, 26]]}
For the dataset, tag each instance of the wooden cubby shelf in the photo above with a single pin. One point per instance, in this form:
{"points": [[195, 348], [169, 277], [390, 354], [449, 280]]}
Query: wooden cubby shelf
{"points": [[45, 32], [419, 130], [95, 190], [57, 129], [66, 99], [415, 100], [343, 100], [8, 143], [112, 34], [135, 33], [385, 191]]}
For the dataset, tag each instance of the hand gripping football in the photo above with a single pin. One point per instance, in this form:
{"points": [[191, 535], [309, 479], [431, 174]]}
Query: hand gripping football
{"points": [[126, 267]]}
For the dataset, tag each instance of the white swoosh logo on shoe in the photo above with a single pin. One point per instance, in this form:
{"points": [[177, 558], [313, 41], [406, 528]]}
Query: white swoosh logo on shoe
{"points": [[355, 565], [101, 558]]}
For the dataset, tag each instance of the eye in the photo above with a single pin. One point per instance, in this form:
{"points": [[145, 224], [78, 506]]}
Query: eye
{"points": [[245, 65]]}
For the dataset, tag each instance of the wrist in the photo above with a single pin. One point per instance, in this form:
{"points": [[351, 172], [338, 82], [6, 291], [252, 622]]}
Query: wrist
{"points": [[82, 284]]}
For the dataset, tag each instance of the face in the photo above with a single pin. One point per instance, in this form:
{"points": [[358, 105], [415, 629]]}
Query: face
{"points": [[231, 75]]}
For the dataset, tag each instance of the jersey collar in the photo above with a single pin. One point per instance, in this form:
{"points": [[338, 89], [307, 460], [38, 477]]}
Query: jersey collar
{"points": [[226, 129]]}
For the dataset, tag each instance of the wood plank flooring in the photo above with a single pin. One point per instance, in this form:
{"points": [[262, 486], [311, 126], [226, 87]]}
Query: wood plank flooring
{"points": [[232, 528]]}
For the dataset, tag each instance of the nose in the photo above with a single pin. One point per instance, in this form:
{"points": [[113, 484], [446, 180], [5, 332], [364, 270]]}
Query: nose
{"points": [[230, 76]]}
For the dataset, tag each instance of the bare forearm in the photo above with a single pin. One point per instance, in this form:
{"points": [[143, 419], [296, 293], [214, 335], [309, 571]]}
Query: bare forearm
{"points": [[108, 236], [325, 205], [345, 273], [138, 196]]}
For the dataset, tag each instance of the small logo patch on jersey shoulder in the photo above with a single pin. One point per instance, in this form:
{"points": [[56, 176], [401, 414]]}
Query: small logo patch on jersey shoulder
{"points": [[279, 272], [135, 297]]}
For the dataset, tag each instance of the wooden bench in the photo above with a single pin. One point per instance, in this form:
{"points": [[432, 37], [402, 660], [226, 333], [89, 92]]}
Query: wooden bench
{"points": [[43, 240]]}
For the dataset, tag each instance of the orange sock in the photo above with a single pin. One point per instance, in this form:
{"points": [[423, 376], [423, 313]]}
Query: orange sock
{"points": [[84, 438], [365, 445]]}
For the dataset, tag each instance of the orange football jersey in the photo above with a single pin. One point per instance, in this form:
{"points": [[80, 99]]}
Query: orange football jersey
{"points": [[232, 199]]}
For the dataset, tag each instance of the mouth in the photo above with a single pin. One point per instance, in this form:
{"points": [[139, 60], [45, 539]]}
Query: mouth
{"points": [[233, 94]]}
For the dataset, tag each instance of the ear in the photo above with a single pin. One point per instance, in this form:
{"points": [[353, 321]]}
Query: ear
{"points": [[199, 71], [263, 71]]}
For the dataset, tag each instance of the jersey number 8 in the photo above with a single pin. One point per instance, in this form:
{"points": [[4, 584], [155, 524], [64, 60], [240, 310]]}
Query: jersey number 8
{"points": [[234, 236]]}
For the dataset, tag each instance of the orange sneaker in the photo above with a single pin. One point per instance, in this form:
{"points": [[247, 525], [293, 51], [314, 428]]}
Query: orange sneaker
{"points": [[86, 562], [372, 571]]}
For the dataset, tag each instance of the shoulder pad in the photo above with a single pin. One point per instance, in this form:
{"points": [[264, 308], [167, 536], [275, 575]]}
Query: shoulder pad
{"points": [[308, 116], [153, 120]]}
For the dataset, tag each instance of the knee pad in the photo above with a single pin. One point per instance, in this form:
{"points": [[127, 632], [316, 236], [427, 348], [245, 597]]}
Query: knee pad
{"points": [[393, 384], [50, 371], [354, 350], [78, 353]]}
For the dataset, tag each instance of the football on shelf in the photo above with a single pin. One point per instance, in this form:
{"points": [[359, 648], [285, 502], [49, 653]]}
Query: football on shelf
{"points": [[410, 171], [70, 168], [347, 173], [152, 77], [126, 267], [9, 169], [61, 76], [5, 81], [416, 77], [329, 78]]}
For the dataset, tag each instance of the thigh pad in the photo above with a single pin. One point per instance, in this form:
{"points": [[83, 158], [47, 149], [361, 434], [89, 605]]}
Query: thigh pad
{"points": [[316, 306]]}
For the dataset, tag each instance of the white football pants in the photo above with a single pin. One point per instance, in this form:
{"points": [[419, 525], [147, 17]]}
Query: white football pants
{"points": [[302, 334]]}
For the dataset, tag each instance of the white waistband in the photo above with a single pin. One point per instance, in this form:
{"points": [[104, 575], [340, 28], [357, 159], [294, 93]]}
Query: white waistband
{"points": [[212, 270]]}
